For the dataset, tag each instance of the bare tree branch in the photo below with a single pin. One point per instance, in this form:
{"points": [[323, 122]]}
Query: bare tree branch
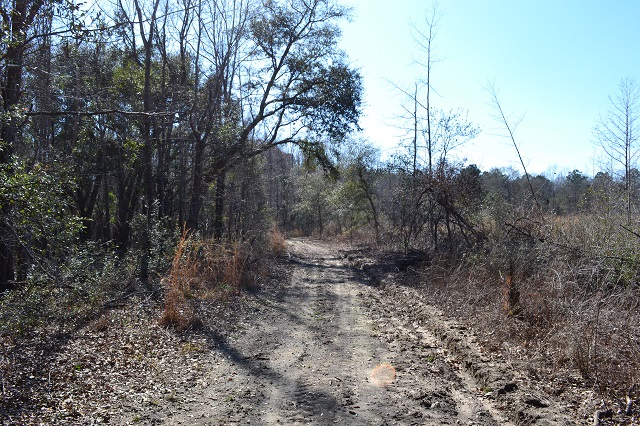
{"points": [[490, 87]]}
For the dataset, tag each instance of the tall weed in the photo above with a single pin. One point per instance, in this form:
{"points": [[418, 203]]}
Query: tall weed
{"points": [[276, 242], [205, 269], [178, 313]]}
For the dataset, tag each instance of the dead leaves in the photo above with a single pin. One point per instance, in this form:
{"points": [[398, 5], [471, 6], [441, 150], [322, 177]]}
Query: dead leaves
{"points": [[122, 362]]}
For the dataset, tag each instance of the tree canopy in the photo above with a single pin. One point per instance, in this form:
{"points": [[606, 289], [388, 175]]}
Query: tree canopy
{"points": [[143, 107]]}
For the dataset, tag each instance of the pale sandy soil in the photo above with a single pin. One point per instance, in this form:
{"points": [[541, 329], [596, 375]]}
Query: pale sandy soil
{"points": [[319, 345], [327, 348]]}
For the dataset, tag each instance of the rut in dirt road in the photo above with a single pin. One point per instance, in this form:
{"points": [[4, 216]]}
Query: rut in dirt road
{"points": [[307, 356]]}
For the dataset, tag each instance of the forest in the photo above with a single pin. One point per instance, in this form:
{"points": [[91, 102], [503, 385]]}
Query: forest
{"points": [[147, 143]]}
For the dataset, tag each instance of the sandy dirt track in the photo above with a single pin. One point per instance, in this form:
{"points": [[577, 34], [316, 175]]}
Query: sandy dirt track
{"points": [[329, 348]]}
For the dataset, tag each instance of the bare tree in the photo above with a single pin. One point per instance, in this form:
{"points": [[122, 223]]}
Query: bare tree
{"points": [[424, 39], [617, 132], [417, 115], [433, 134]]}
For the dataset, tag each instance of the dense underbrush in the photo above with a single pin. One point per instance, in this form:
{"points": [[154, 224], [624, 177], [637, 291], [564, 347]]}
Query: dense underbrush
{"points": [[90, 279]]}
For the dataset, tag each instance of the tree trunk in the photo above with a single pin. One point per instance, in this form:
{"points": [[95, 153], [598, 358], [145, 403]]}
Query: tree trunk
{"points": [[86, 203], [125, 210], [366, 188], [105, 229], [182, 183], [11, 96], [147, 150], [197, 183], [221, 189], [7, 272]]}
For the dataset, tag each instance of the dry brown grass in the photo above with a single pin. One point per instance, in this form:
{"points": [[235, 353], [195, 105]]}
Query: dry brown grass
{"points": [[201, 270], [578, 305], [276, 242], [178, 313]]}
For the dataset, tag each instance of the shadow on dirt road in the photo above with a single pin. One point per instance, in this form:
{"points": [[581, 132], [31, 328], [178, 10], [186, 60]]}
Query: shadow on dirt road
{"points": [[328, 349]]}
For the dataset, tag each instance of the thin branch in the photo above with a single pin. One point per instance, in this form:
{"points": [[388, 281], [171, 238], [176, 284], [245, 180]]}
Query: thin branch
{"points": [[630, 230], [490, 87], [93, 113]]}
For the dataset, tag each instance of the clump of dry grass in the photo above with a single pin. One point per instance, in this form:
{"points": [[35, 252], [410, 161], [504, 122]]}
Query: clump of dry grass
{"points": [[276, 242], [204, 269], [178, 313]]}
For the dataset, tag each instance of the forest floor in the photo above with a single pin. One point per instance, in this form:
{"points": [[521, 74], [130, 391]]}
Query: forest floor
{"points": [[322, 344]]}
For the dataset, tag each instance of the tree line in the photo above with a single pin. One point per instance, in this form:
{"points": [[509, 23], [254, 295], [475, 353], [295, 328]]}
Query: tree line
{"points": [[127, 118], [128, 122], [376, 199]]}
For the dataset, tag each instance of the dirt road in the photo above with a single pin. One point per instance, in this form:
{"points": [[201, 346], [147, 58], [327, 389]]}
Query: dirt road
{"points": [[327, 348]]}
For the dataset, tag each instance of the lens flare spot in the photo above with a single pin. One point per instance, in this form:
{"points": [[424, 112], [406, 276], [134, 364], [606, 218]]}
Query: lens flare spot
{"points": [[383, 375]]}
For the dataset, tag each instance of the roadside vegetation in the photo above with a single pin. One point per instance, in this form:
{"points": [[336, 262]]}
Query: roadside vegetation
{"points": [[140, 168]]}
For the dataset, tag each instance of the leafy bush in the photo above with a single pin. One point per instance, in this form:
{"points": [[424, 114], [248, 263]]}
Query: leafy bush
{"points": [[87, 280], [36, 204]]}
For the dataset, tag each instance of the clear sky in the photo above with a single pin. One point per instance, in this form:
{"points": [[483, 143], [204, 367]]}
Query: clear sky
{"points": [[555, 62]]}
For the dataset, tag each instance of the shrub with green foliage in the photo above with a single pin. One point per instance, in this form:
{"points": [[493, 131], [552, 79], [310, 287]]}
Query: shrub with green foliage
{"points": [[40, 220]]}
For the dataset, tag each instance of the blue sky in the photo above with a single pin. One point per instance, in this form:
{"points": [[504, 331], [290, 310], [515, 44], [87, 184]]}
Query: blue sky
{"points": [[555, 62]]}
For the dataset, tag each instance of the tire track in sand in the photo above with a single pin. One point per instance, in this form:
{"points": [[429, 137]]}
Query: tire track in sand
{"points": [[305, 354]]}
